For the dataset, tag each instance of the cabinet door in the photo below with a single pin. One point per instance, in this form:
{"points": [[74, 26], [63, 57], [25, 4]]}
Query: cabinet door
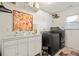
{"points": [[22, 47], [9, 47], [38, 45], [72, 39], [10, 51], [34, 46], [68, 38]]}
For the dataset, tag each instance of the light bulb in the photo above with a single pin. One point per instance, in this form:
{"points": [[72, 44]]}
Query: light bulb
{"points": [[48, 2]]}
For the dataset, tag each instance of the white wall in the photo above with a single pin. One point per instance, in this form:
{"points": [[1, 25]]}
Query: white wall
{"points": [[42, 19], [63, 15], [59, 21], [69, 12], [5, 24]]}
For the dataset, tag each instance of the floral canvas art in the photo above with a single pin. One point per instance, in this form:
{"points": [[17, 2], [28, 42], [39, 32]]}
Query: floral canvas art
{"points": [[22, 21]]}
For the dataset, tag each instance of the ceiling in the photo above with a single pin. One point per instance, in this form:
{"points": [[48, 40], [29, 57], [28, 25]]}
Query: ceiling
{"points": [[55, 7]]}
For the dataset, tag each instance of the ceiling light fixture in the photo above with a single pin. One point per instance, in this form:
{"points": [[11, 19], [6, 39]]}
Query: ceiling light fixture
{"points": [[48, 2], [34, 4]]}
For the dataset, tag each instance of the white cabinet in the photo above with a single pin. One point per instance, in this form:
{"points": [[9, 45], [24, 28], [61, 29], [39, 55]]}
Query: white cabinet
{"points": [[68, 38], [22, 46], [34, 45], [10, 51], [72, 38], [9, 47], [22, 50]]}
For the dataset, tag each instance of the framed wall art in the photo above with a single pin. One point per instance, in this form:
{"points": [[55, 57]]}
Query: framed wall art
{"points": [[22, 21]]}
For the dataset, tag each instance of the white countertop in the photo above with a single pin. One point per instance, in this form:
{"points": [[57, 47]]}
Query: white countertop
{"points": [[19, 36]]}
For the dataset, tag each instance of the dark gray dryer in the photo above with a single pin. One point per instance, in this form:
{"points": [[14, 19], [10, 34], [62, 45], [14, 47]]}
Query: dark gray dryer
{"points": [[53, 39]]}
